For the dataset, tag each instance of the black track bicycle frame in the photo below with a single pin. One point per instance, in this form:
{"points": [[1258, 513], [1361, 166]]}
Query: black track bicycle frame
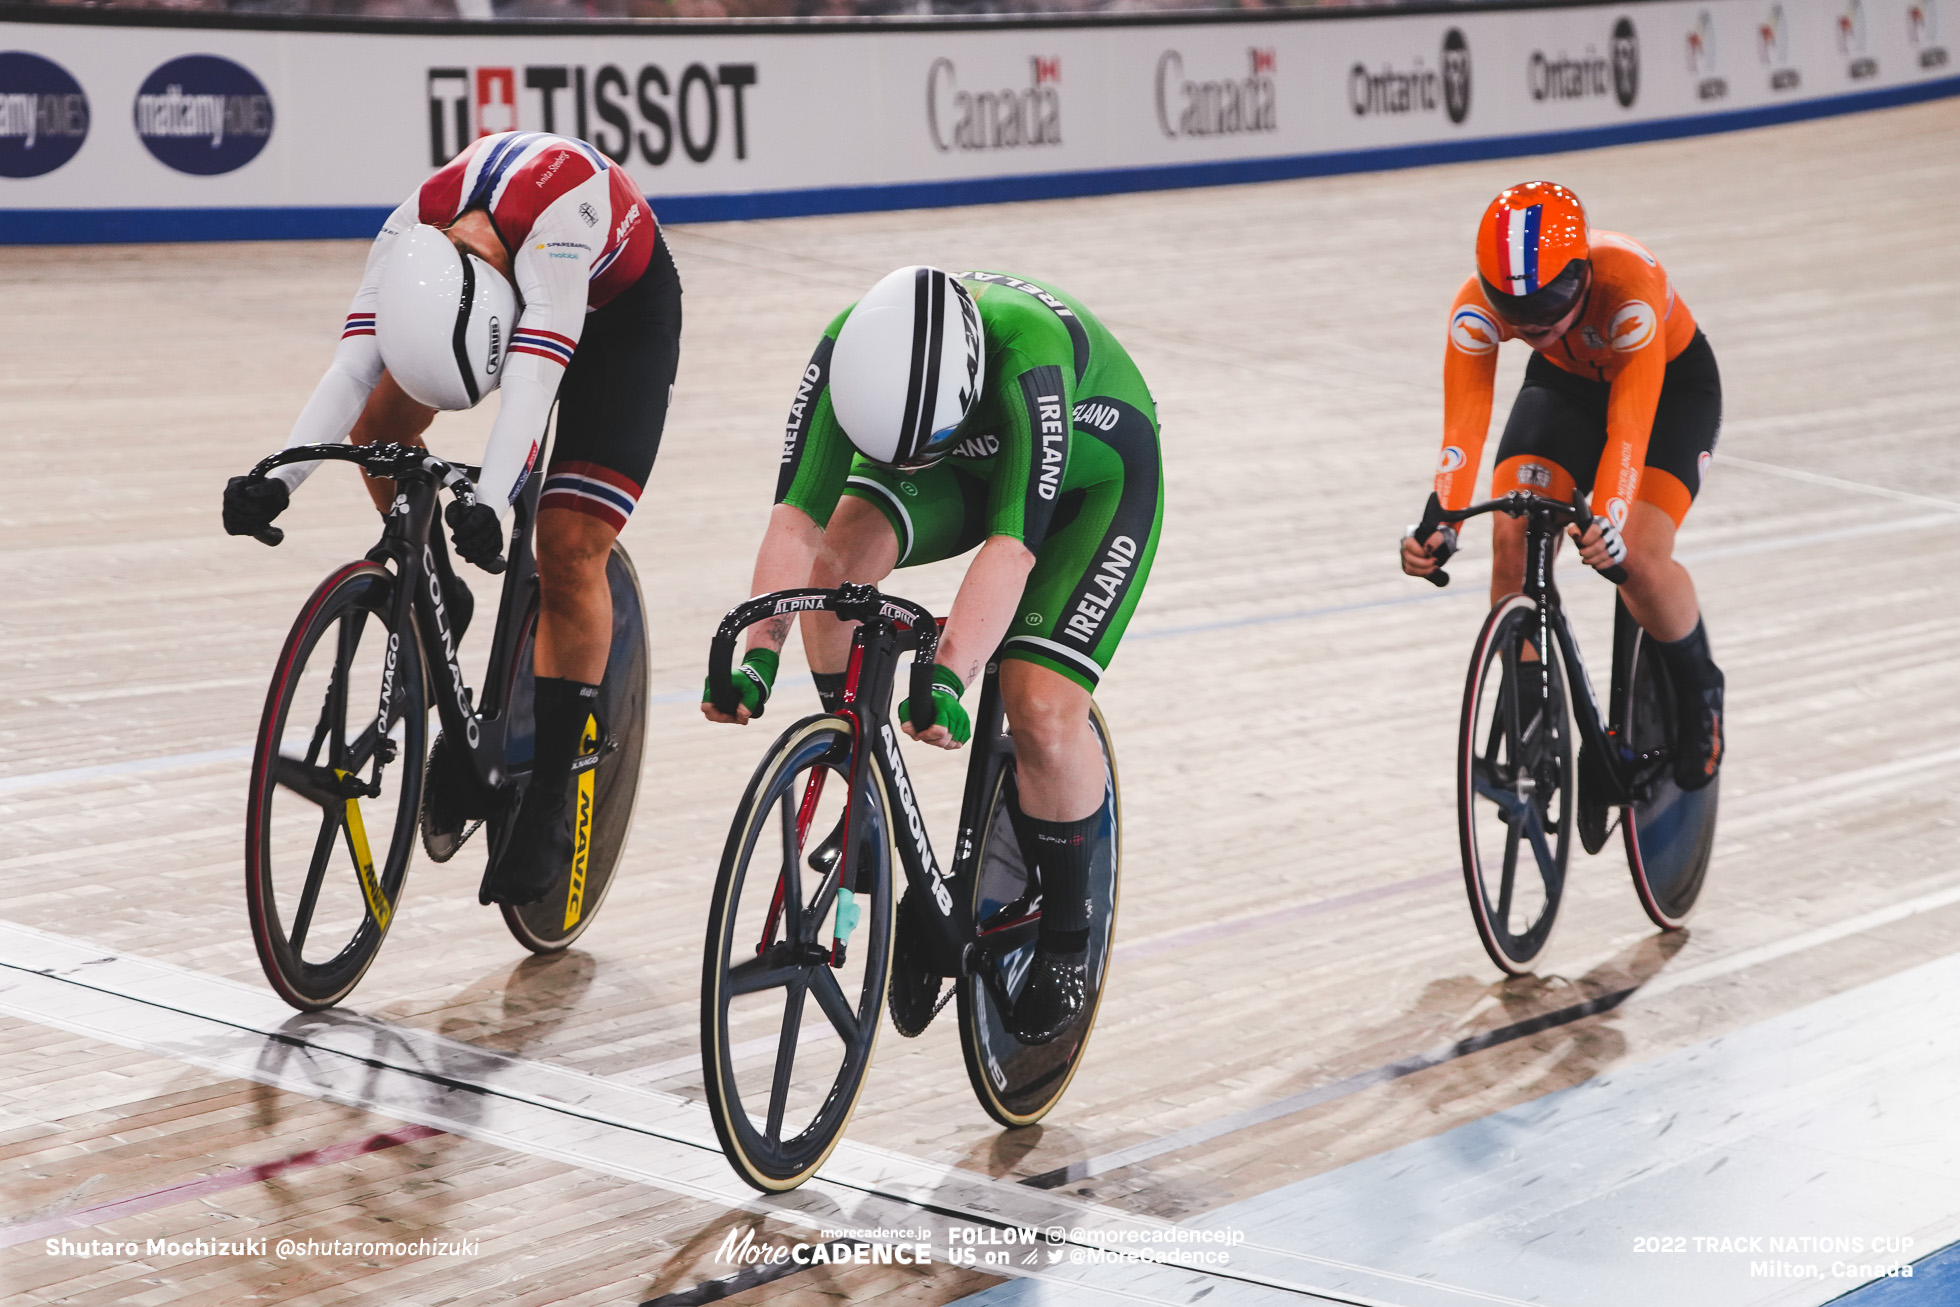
{"points": [[417, 602], [887, 628], [1544, 518]]}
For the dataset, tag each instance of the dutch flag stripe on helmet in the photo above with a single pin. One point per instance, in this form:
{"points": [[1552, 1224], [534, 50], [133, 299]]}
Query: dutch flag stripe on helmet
{"points": [[1520, 249]]}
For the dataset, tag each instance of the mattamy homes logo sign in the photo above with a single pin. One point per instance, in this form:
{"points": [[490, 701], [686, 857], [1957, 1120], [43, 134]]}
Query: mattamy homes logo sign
{"points": [[203, 115], [44, 115]]}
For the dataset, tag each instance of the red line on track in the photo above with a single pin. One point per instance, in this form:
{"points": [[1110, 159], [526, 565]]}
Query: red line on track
{"points": [[169, 1196]]}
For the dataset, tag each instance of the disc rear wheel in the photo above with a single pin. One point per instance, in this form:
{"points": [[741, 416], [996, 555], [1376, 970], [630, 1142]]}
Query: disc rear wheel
{"points": [[1019, 1083], [1669, 832], [604, 796]]}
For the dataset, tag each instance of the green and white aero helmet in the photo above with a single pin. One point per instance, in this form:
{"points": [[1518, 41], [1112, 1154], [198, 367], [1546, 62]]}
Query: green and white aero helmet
{"points": [[907, 368], [443, 319]]}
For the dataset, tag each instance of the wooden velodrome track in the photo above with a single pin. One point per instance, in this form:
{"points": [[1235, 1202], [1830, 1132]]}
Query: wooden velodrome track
{"points": [[1284, 709]]}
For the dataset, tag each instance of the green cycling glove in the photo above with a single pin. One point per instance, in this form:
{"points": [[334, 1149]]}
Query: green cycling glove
{"points": [[751, 682], [946, 691]]}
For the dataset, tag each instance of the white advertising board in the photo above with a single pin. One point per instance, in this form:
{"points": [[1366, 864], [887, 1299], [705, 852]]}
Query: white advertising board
{"points": [[226, 131]]}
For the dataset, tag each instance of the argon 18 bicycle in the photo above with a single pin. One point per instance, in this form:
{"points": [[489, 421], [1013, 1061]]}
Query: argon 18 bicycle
{"points": [[338, 776], [805, 933], [1526, 782]]}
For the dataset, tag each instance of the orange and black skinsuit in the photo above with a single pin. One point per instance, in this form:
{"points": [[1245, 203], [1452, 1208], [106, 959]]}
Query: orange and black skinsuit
{"points": [[1629, 396]]}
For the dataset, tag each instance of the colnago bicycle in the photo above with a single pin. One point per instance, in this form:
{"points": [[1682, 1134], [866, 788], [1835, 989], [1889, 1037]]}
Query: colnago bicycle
{"points": [[338, 777], [1523, 786], [799, 914]]}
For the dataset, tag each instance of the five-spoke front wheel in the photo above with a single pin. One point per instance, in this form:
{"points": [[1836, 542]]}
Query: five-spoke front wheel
{"points": [[798, 957], [336, 783]]}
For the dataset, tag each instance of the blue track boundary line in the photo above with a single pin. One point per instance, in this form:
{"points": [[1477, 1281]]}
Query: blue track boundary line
{"points": [[1935, 1282], [116, 226]]}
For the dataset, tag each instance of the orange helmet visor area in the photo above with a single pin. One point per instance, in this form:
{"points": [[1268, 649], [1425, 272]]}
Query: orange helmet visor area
{"points": [[1547, 304]]}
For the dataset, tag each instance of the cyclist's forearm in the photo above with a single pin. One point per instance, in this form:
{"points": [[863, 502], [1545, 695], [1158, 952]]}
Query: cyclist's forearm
{"points": [[783, 562], [334, 406], [985, 606]]}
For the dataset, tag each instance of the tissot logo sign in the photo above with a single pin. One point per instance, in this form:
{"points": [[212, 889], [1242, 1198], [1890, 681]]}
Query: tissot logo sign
{"points": [[1773, 45], [1010, 118], [647, 115], [1416, 88], [1851, 38], [1590, 75], [203, 115], [1702, 64], [1923, 30], [1225, 106], [43, 115]]}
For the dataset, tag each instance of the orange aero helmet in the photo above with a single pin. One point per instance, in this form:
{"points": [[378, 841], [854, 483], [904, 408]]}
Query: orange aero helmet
{"points": [[1534, 252]]}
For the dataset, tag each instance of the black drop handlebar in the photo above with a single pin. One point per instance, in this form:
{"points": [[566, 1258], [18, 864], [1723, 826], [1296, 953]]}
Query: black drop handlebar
{"points": [[916, 630], [1518, 503], [396, 462]]}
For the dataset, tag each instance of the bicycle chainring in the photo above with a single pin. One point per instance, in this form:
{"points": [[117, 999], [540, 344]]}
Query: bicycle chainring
{"points": [[914, 996]]}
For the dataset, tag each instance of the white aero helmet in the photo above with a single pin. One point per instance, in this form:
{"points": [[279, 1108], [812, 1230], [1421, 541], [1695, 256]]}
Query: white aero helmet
{"points": [[907, 367], [443, 319]]}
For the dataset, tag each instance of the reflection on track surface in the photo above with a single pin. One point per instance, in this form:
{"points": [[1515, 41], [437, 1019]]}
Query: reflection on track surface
{"points": [[1299, 1004]]}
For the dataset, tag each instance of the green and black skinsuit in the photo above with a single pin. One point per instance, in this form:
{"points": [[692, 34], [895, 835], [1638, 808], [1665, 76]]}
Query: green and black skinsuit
{"points": [[1060, 452]]}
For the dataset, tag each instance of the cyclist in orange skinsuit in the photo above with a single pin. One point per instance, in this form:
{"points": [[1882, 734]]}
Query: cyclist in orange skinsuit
{"points": [[1621, 399]]}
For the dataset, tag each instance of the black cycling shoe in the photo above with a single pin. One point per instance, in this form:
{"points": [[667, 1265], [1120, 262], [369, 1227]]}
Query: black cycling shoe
{"points": [[451, 800], [913, 994], [1698, 759], [539, 852], [1056, 992]]}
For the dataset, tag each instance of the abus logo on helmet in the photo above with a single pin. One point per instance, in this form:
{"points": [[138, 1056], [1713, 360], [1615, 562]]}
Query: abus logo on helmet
{"points": [[1416, 89], [203, 115], [1773, 46], [491, 363], [1560, 77], [1220, 107], [994, 120], [1701, 59], [43, 115], [1923, 30], [648, 112]]}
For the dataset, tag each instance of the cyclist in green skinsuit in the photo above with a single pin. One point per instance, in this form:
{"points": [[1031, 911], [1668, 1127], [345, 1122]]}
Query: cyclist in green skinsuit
{"points": [[944, 412]]}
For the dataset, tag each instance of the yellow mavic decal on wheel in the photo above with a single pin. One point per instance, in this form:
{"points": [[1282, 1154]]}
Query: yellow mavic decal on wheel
{"points": [[378, 906], [582, 827]]}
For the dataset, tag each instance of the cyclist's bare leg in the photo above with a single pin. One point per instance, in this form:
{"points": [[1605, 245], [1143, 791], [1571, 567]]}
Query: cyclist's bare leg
{"points": [[1658, 591], [574, 596], [389, 416], [1058, 764], [858, 546]]}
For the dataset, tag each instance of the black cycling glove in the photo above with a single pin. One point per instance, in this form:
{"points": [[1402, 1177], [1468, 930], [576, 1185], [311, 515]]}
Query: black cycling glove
{"points": [[251, 504], [479, 536]]}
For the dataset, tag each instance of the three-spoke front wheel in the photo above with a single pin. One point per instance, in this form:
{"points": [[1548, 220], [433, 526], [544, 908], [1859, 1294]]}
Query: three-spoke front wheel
{"points": [[1516, 785], [798, 957], [336, 785]]}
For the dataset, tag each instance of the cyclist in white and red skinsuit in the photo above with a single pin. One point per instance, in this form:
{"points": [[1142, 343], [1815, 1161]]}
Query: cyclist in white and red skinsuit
{"points": [[598, 331]]}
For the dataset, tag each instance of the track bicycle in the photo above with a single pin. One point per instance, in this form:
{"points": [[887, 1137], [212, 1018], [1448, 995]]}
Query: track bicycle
{"points": [[799, 915], [1525, 782], [343, 771]]}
